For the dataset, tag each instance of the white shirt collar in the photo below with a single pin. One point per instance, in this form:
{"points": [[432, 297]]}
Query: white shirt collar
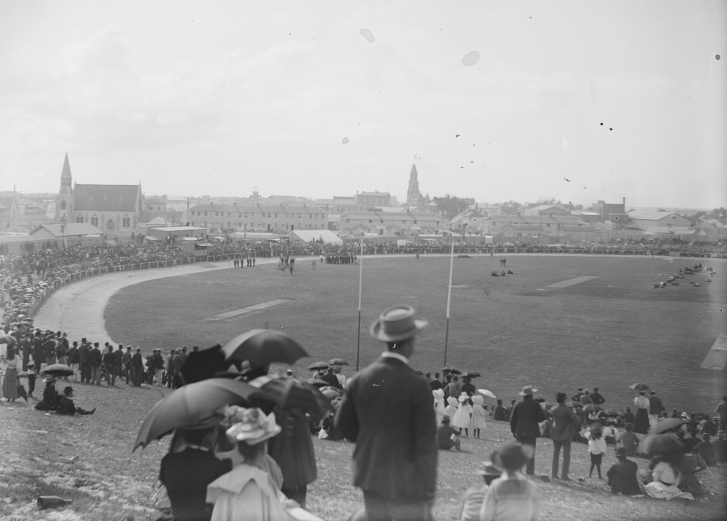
{"points": [[389, 354]]}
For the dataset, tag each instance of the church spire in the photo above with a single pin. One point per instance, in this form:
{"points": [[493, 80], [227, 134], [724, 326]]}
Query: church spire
{"points": [[412, 194], [66, 172]]}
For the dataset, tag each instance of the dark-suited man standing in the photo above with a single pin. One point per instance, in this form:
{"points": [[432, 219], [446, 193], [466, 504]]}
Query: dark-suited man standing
{"points": [[387, 411], [565, 424], [524, 420]]}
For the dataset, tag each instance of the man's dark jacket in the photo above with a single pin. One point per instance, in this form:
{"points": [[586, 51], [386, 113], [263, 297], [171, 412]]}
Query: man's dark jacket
{"points": [[387, 411], [525, 418], [565, 423]]}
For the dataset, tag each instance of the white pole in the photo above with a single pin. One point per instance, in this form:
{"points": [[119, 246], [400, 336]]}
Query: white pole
{"points": [[449, 299], [360, 286]]}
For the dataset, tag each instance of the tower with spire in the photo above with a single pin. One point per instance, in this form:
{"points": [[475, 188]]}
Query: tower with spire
{"points": [[64, 201], [413, 196]]}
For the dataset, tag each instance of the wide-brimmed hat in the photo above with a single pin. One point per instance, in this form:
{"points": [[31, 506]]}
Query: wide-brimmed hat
{"points": [[254, 428], [397, 323], [512, 456], [488, 469], [528, 390], [49, 380]]}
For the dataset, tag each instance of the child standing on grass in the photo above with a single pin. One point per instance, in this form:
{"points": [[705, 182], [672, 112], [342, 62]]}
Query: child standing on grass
{"points": [[597, 448]]}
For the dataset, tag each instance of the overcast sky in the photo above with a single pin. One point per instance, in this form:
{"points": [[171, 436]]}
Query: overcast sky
{"points": [[574, 100]]}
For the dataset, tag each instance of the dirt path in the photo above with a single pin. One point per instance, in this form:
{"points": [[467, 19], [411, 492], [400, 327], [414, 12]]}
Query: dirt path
{"points": [[78, 308]]}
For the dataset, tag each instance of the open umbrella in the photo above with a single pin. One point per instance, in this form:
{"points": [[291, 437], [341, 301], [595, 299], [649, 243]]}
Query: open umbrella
{"points": [[592, 408], [291, 393], [485, 392], [57, 370], [655, 444], [262, 347], [639, 387], [452, 370], [471, 374], [191, 405], [337, 361], [315, 366], [667, 424], [6, 338]]}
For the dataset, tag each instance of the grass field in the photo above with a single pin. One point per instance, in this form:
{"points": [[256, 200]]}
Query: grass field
{"points": [[607, 332]]}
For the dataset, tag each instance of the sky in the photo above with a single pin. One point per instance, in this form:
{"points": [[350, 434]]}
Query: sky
{"points": [[498, 100]]}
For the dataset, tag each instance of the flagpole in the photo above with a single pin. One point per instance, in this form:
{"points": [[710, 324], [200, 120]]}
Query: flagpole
{"points": [[360, 280], [449, 299]]}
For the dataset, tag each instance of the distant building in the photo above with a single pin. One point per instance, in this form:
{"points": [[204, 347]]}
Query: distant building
{"points": [[259, 217], [113, 209], [608, 210], [547, 209], [660, 222], [65, 231], [390, 223], [369, 200]]}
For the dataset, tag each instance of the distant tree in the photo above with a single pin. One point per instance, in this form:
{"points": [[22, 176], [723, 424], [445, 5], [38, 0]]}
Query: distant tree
{"points": [[511, 208], [719, 214], [450, 205]]}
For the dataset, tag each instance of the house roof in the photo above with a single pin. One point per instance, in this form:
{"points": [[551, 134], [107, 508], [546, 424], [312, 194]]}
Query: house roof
{"points": [[258, 207], [70, 229], [649, 216], [106, 197]]}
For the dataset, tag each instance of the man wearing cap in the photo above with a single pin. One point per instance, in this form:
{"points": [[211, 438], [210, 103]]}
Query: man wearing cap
{"points": [[565, 423], [387, 411], [137, 368], [622, 475], [524, 420], [83, 361], [95, 359], [126, 363]]}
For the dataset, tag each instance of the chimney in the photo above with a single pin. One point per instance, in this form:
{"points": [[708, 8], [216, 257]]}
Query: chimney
{"points": [[623, 201]]}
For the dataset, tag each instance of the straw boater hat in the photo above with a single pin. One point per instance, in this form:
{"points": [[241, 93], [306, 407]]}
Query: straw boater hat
{"points": [[528, 390], [397, 323], [254, 428]]}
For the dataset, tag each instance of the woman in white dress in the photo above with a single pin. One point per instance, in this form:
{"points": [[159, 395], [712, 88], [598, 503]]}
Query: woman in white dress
{"points": [[439, 406], [477, 423], [461, 418], [248, 491]]}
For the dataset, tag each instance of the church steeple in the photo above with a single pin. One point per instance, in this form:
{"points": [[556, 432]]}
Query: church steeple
{"points": [[64, 201], [412, 194], [66, 172]]}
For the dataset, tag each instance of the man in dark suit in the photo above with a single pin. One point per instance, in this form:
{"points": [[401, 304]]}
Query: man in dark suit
{"points": [[524, 420], [387, 411], [565, 423]]}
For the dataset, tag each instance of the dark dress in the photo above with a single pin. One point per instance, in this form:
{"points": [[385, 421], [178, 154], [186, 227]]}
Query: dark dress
{"points": [[641, 426], [186, 475], [293, 451], [50, 401]]}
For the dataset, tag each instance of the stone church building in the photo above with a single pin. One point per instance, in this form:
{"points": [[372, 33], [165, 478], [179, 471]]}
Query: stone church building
{"points": [[113, 209]]}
